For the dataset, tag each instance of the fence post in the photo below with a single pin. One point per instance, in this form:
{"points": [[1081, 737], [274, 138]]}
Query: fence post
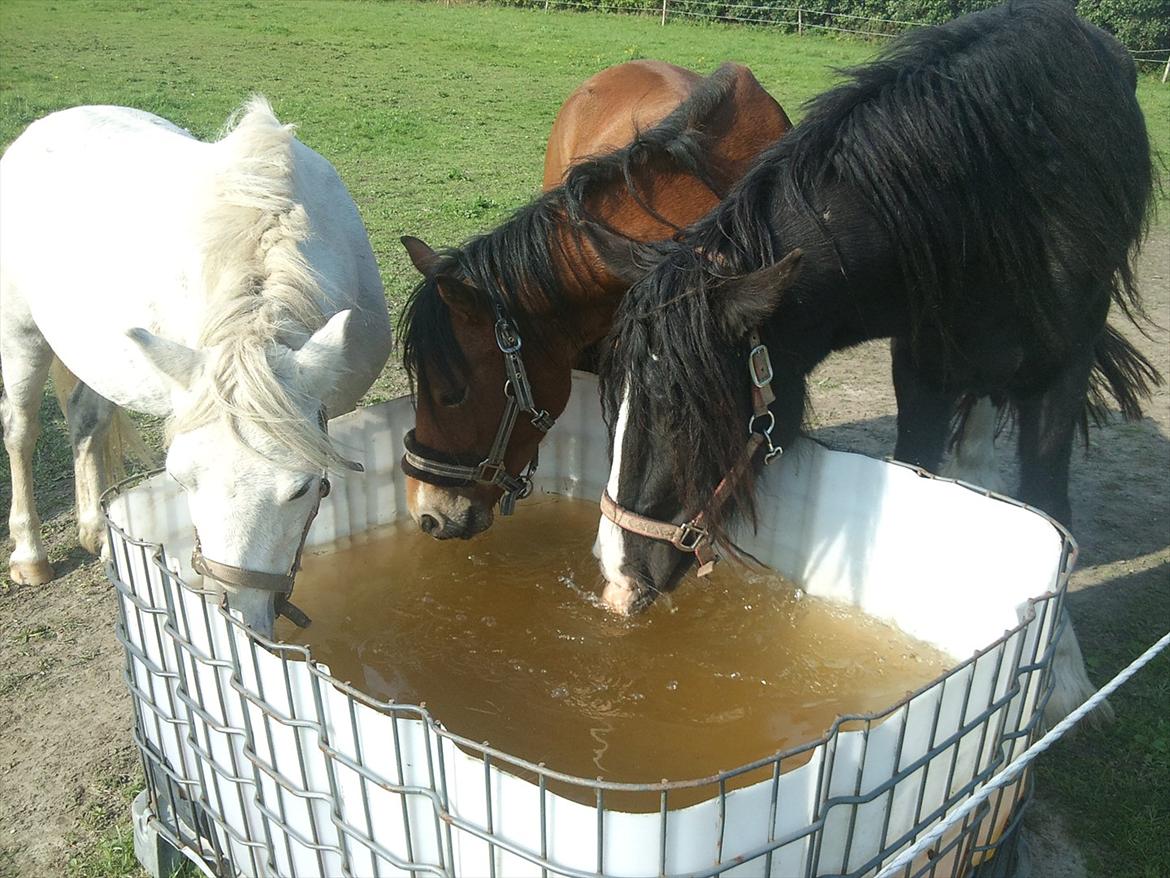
{"points": [[664, 13], [799, 21], [1165, 73], [546, 5]]}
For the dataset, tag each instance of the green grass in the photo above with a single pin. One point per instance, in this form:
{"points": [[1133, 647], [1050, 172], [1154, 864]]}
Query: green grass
{"points": [[436, 118]]}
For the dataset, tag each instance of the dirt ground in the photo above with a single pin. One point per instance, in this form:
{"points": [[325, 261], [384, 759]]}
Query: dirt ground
{"points": [[67, 763]]}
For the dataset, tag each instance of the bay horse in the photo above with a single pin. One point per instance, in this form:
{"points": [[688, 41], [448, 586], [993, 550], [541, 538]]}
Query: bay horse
{"points": [[642, 148], [977, 193], [229, 287]]}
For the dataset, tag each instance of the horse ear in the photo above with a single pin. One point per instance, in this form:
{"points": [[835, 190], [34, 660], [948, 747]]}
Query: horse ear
{"points": [[423, 256], [177, 362], [321, 360], [747, 301], [458, 295]]}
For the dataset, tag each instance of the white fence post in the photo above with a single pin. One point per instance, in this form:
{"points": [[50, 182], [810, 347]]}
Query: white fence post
{"points": [[664, 13], [799, 20]]}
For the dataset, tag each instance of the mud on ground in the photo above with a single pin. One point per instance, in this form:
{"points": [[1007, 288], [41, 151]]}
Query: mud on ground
{"points": [[68, 767]]}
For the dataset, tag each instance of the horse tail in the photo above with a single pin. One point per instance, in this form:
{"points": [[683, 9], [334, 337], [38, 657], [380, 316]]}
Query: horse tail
{"points": [[64, 383], [119, 442], [1122, 373], [124, 442]]}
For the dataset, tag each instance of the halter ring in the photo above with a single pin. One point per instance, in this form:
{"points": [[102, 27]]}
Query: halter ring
{"points": [[767, 431]]}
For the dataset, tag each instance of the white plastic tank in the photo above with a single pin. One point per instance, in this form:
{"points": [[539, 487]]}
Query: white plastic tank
{"points": [[260, 763]]}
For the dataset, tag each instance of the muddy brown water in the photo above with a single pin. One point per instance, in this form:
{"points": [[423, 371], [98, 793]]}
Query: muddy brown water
{"points": [[504, 640]]}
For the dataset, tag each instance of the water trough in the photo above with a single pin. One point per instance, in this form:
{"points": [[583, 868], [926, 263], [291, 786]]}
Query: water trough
{"points": [[259, 763]]}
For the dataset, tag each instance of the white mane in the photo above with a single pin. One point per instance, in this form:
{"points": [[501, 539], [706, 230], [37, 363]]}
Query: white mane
{"points": [[260, 291]]}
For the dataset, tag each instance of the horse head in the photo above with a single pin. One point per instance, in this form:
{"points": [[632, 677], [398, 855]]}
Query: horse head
{"points": [[484, 398], [678, 400], [248, 445]]}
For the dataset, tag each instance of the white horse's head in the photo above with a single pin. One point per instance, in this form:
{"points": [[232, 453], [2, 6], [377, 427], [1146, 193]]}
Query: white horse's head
{"points": [[249, 447]]}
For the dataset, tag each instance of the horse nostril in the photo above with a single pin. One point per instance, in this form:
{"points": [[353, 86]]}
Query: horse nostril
{"points": [[429, 524]]}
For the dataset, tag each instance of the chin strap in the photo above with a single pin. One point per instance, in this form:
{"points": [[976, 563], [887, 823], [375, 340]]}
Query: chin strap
{"points": [[694, 536]]}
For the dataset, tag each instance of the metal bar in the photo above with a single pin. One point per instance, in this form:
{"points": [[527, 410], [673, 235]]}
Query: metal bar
{"points": [[487, 788], [663, 812], [330, 773], [407, 829]]}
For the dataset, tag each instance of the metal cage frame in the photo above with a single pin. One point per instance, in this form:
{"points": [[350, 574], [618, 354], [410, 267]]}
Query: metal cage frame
{"points": [[174, 654]]}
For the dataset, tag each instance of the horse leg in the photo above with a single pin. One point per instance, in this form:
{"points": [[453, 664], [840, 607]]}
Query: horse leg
{"points": [[1070, 680], [1047, 425], [89, 417], [924, 412], [973, 459], [24, 359]]}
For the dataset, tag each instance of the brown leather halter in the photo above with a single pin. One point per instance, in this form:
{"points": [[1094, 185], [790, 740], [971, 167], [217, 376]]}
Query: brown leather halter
{"points": [[280, 583], [437, 468], [693, 536]]}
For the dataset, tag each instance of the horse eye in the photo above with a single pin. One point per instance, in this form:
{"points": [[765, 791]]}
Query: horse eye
{"points": [[302, 490], [452, 398]]}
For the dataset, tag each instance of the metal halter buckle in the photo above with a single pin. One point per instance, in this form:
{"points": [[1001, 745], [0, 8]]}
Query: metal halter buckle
{"points": [[774, 450], [760, 366], [490, 471], [507, 336], [689, 537]]}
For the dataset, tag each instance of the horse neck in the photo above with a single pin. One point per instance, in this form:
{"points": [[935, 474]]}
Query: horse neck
{"points": [[589, 291], [849, 290], [675, 200]]}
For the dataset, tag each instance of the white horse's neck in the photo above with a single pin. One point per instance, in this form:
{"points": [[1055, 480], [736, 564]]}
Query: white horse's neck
{"points": [[257, 281]]}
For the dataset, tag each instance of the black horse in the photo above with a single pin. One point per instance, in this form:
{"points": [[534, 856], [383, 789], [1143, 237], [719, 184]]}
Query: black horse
{"points": [[977, 194]]}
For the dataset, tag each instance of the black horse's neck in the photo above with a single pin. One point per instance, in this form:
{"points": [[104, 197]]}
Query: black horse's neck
{"points": [[850, 288]]}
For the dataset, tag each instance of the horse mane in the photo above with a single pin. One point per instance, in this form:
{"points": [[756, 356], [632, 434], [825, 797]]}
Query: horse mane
{"points": [[665, 326], [957, 141], [515, 264], [259, 289], [944, 141]]}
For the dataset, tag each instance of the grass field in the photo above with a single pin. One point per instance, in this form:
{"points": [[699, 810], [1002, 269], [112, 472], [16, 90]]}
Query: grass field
{"points": [[436, 118]]}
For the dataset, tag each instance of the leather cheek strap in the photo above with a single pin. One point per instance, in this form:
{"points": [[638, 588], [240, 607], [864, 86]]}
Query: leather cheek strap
{"points": [[280, 583]]}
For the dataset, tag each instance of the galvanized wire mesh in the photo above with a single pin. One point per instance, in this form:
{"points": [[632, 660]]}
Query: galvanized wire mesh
{"points": [[264, 764]]}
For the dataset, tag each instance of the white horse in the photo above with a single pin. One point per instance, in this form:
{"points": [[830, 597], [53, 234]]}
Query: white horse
{"points": [[227, 286]]}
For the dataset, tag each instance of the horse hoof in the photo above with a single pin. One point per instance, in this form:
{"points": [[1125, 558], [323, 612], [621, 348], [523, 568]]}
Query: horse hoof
{"points": [[30, 572], [92, 539]]}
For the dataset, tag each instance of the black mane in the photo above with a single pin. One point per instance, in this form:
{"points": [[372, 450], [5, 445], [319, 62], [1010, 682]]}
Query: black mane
{"points": [[961, 143], [956, 138], [514, 263]]}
